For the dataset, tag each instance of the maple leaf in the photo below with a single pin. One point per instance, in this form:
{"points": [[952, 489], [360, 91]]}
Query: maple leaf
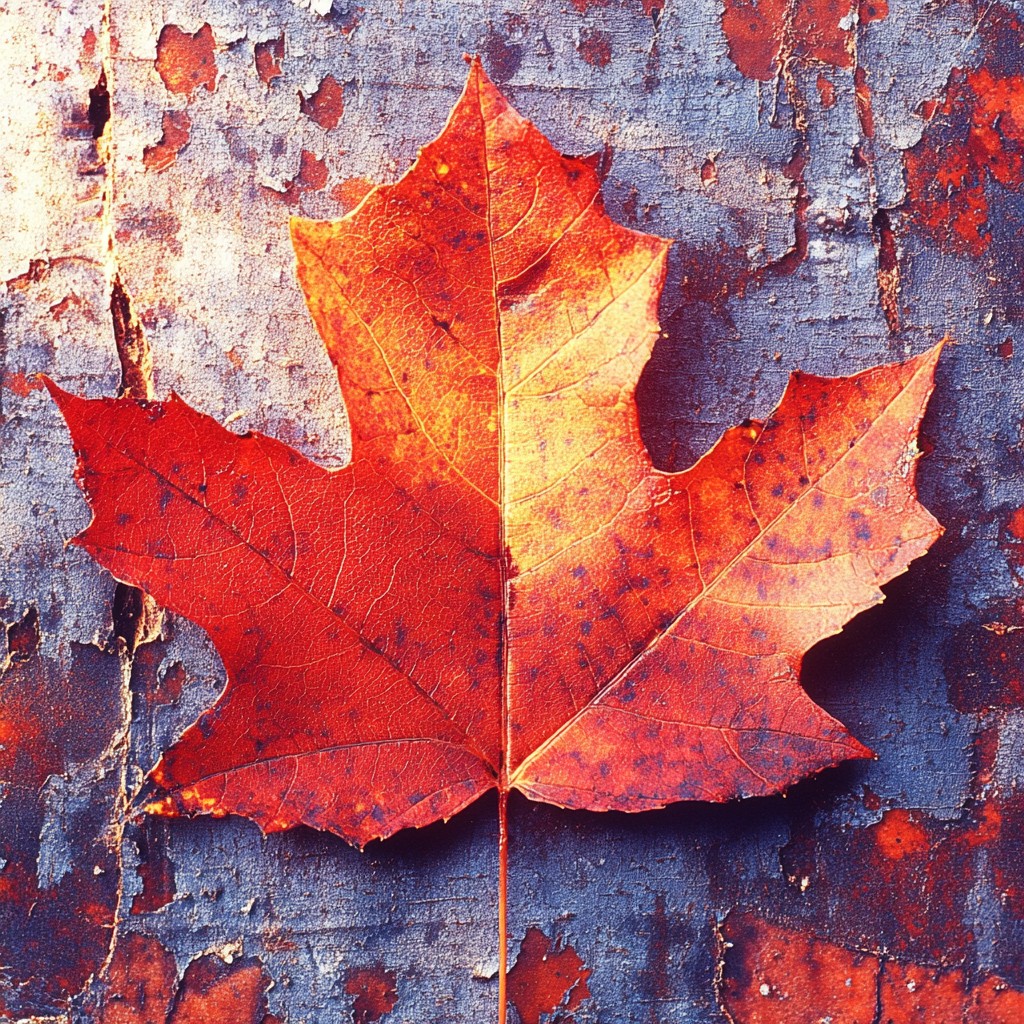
{"points": [[500, 590]]}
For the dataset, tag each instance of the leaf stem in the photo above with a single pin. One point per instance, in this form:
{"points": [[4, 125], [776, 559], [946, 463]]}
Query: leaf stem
{"points": [[502, 905]]}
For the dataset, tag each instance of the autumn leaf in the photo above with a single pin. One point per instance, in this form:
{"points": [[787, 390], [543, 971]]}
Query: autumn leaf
{"points": [[501, 591]]}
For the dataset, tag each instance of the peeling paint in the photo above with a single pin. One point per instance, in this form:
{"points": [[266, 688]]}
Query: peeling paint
{"points": [[202, 253]]}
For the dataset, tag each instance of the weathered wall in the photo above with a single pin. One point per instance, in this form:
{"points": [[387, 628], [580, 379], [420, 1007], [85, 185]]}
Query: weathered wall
{"points": [[844, 182]]}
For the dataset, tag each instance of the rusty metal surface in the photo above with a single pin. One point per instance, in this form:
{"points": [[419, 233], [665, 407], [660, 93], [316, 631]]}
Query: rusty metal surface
{"points": [[799, 244]]}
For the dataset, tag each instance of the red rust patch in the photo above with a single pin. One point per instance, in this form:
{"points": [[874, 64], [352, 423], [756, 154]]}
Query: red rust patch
{"points": [[774, 975], [138, 986], [141, 987], [826, 92], [326, 105], [160, 683], [984, 661], [546, 977], [375, 990], [156, 870], [503, 57], [186, 62], [177, 127], [761, 32], [899, 835], [23, 636], [213, 990], [975, 136], [312, 177], [780, 975], [268, 57], [754, 32], [55, 719], [21, 384], [596, 48]]}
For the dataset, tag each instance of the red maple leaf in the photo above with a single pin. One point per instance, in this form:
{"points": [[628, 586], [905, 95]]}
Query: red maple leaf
{"points": [[501, 591]]}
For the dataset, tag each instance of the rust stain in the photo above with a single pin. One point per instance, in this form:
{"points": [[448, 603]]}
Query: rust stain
{"points": [[548, 978], [312, 177], [888, 272], [657, 974], [774, 974], [862, 93], [23, 636], [649, 8], [212, 989], [974, 138], [984, 663], [1011, 538], [503, 57], [186, 62], [38, 270], [158, 682], [349, 20], [138, 984], [326, 105], [763, 34], [268, 57], [177, 127], [906, 882], [375, 990], [155, 868], [900, 834], [56, 718], [141, 986], [826, 92], [20, 383], [595, 47]]}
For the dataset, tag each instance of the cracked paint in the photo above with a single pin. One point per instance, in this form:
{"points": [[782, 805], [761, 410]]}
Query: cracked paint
{"points": [[807, 246]]}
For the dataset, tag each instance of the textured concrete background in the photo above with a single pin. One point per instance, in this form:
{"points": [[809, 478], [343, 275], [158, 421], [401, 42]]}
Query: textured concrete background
{"points": [[845, 184]]}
